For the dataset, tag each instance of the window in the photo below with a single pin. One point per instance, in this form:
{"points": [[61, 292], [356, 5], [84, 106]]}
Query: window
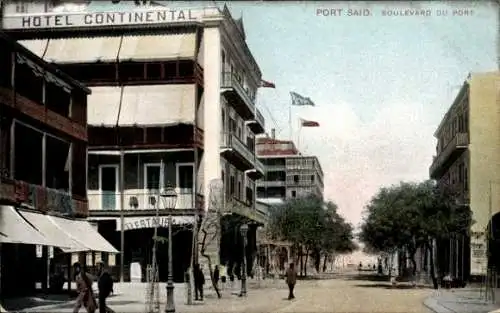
{"points": [[296, 178], [28, 166], [21, 7], [223, 120], [312, 178], [223, 61], [239, 190], [153, 183], [185, 177], [57, 166], [231, 186], [294, 194], [108, 186]]}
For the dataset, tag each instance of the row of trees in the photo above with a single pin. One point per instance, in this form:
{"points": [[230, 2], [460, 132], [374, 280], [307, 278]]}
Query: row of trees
{"points": [[411, 216], [314, 228]]}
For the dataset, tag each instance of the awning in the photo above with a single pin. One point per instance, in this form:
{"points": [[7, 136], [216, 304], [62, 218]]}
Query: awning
{"points": [[36, 46], [157, 105], [15, 229], [161, 47], [85, 234], [45, 225], [83, 50], [103, 105]]}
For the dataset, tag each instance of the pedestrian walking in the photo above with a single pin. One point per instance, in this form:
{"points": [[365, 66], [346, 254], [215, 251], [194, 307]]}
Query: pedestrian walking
{"points": [[223, 277], [85, 296], [199, 281], [216, 275], [291, 280], [105, 286]]}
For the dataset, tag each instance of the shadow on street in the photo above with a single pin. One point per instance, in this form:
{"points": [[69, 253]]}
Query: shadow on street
{"points": [[389, 286], [368, 277]]}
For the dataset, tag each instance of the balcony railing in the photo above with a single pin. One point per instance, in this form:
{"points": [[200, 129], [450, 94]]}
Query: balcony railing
{"points": [[275, 183], [232, 142], [140, 199], [231, 82], [42, 198], [459, 142], [270, 168], [259, 166]]}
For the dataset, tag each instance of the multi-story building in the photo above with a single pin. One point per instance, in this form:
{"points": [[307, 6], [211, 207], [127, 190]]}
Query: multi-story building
{"points": [[172, 103], [43, 185], [468, 161], [288, 173]]}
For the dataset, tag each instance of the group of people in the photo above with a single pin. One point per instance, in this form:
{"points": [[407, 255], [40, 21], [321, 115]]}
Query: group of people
{"points": [[86, 297]]}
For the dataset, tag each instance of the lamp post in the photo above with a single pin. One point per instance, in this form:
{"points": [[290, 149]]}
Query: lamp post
{"points": [[169, 198], [244, 230]]}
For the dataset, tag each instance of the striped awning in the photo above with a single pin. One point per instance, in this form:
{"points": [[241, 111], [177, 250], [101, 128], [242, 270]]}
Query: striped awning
{"points": [[83, 50], [160, 47], [157, 105]]}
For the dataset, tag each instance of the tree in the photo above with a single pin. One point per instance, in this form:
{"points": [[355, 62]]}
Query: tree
{"points": [[312, 227], [410, 216]]}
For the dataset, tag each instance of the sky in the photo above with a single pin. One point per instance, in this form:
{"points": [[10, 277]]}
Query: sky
{"points": [[381, 84]]}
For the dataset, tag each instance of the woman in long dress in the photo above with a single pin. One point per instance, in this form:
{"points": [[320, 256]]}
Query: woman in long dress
{"points": [[85, 296]]}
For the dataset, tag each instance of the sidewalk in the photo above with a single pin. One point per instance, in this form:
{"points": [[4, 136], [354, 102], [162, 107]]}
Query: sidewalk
{"points": [[131, 297], [467, 300]]}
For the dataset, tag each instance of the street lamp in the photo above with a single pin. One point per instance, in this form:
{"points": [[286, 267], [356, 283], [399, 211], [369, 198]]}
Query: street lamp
{"points": [[244, 230], [169, 199]]}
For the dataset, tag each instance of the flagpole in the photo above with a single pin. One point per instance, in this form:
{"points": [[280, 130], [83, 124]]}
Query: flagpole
{"points": [[298, 137], [290, 121]]}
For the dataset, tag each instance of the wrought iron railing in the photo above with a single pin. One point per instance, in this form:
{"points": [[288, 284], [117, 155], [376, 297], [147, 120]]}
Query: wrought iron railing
{"points": [[140, 199], [230, 140], [230, 80], [460, 140]]}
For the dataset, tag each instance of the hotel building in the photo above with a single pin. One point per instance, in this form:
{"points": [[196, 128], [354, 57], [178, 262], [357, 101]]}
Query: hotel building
{"points": [[43, 185], [468, 161], [173, 103]]}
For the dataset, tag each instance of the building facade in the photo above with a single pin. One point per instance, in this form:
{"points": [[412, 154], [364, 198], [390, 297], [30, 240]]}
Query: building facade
{"points": [[288, 173], [43, 185], [172, 104], [467, 161]]}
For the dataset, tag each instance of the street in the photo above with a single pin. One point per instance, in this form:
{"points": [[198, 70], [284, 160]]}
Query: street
{"points": [[340, 295]]}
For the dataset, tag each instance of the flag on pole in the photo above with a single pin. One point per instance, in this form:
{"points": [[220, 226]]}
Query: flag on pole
{"points": [[307, 123], [266, 84], [300, 100]]}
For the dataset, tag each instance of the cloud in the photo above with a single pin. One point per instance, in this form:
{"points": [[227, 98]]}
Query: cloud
{"points": [[359, 157]]}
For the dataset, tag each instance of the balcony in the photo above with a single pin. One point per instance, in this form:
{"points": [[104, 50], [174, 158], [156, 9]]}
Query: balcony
{"points": [[257, 125], [258, 171], [275, 168], [237, 96], [41, 114], [272, 183], [448, 155], [42, 199], [139, 202], [245, 209], [235, 151]]}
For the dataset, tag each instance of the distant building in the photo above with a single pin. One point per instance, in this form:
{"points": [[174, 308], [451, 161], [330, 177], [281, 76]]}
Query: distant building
{"points": [[289, 174], [468, 161], [173, 103]]}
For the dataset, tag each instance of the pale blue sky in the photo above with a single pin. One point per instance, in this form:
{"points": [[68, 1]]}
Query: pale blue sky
{"points": [[381, 84]]}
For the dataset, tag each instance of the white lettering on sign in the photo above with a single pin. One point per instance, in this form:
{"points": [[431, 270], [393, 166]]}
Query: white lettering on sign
{"points": [[95, 19], [151, 222]]}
